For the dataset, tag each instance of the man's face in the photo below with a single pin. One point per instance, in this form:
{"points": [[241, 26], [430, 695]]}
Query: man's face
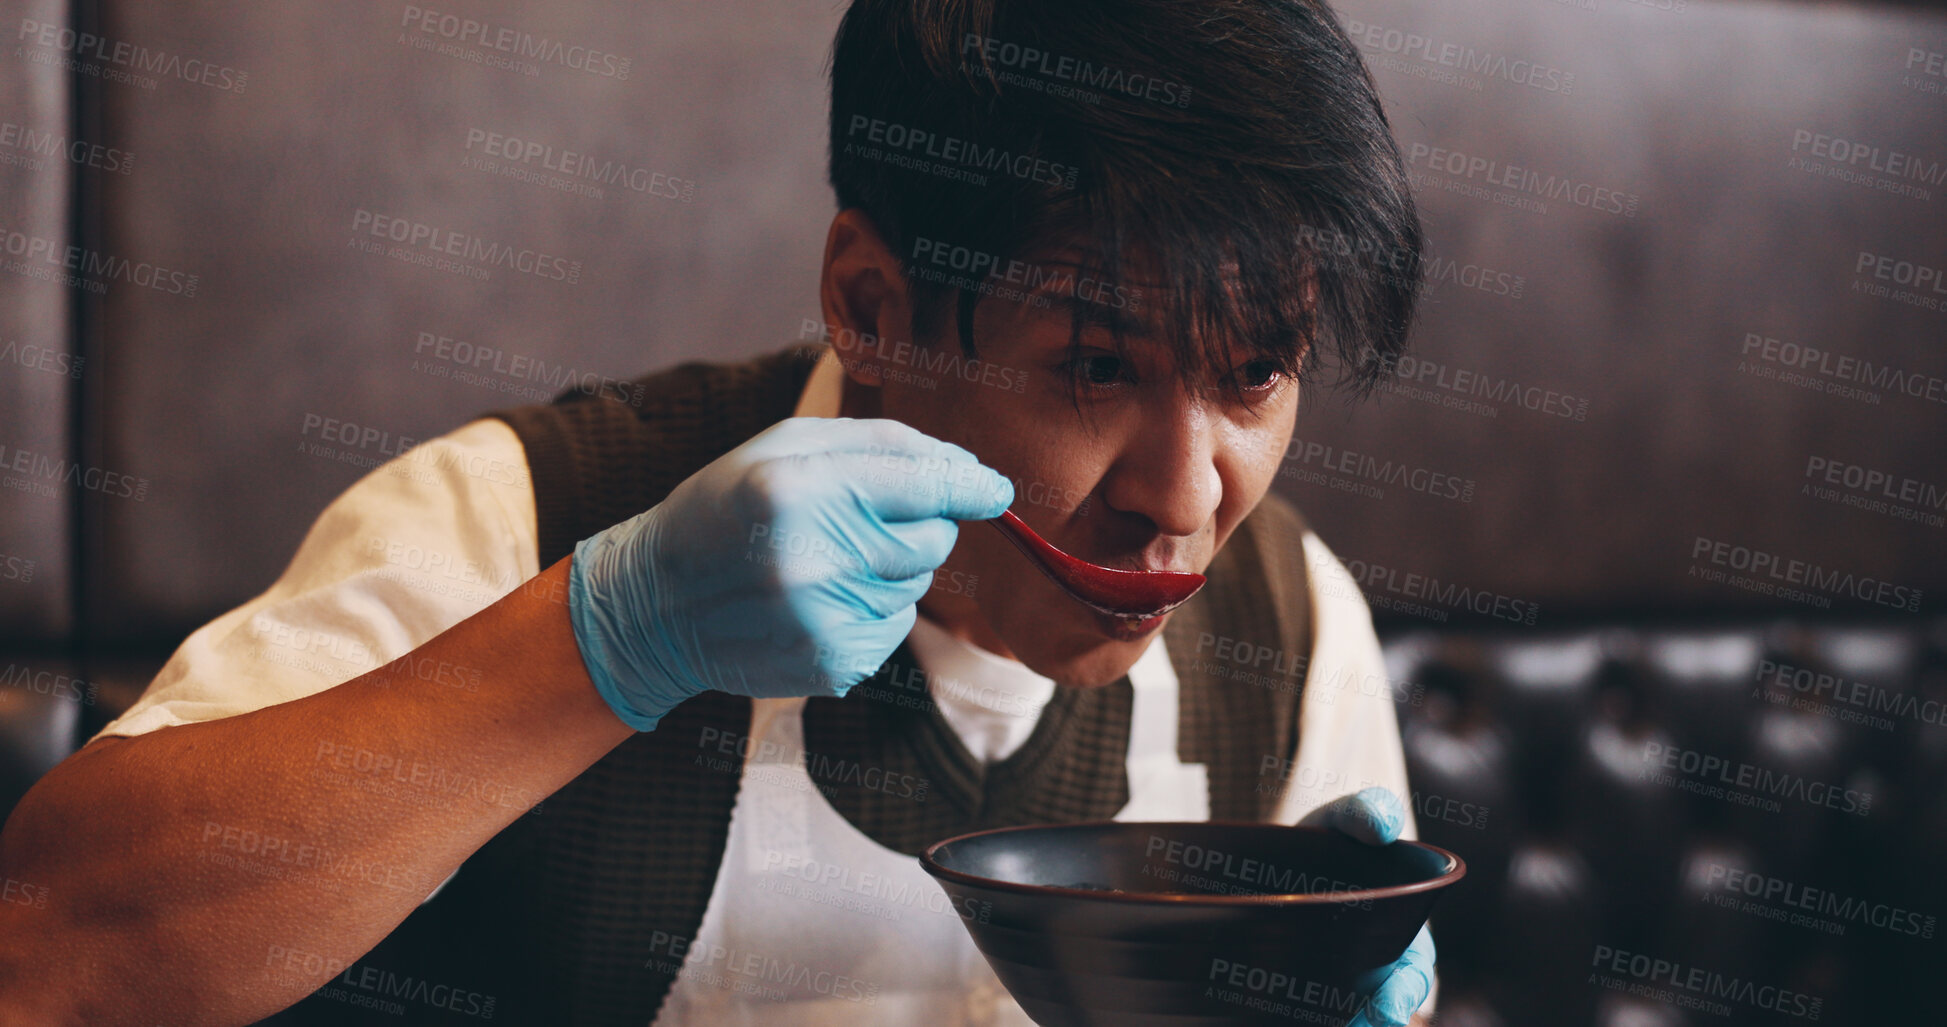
{"points": [[1146, 478]]}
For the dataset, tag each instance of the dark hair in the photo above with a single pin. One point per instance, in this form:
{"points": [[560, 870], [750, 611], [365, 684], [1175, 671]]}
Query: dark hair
{"points": [[1196, 133]]}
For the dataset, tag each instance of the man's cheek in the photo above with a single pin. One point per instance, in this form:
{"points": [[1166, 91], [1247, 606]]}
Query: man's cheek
{"points": [[1011, 593], [981, 554]]}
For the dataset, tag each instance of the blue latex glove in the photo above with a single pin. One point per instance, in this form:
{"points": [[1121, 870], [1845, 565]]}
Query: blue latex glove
{"points": [[1375, 816], [788, 566]]}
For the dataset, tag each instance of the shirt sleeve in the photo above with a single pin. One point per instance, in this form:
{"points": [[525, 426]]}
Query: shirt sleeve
{"points": [[1348, 723], [417, 545]]}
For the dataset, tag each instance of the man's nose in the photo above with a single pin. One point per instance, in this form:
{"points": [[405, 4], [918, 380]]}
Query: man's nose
{"points": [[1167, 470]]}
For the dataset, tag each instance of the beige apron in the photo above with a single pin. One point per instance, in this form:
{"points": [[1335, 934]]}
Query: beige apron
{"points": [[813, 923]]}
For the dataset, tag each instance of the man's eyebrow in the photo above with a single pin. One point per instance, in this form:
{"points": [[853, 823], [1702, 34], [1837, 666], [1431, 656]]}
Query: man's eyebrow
{"points": [[1094, 311]]}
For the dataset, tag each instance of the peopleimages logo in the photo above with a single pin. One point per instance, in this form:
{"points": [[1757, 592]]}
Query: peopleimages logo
{"points": [[1701, 769], [1244, 875], [123, 58], [1424, 48], [470, 361], [41, 358], [1819, 902], [1280, 993], [748, 971], [1853, 156], [1695, 986], [1769, 572], [16, 568], [27, 470], [1061, 68], [415, 235], [1371, 468], [521, 43], [1477, 384], [577, 166], [854, 346], [1363, 258], [57, 146], [1819, 689], [1875, 491], [904, 142], [1840, 371], [82, 267], [1389, 588], [384, 986], [826, 772], [47, 682], [1520, 180], [895, 890], [1928, 284]]}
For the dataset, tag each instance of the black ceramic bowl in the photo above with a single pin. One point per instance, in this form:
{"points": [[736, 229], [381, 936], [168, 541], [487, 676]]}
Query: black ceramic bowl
{"points": [[1179, 924]]}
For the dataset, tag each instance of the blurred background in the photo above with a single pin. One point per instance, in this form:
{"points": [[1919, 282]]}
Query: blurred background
{"points": [[1684, 335]]}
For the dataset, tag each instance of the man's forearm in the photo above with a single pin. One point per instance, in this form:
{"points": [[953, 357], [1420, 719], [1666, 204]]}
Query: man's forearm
{"points": [[172, 869]]}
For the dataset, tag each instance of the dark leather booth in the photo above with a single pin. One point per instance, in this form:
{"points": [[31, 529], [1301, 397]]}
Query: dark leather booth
{"points": [[1679, 332], [1559, 765]]}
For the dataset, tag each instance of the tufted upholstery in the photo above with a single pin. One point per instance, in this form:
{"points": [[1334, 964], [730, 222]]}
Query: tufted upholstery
{"points": [[1537, 759]]}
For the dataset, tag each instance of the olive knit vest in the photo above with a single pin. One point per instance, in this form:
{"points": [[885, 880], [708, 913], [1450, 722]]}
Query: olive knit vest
{"points": [[570, 914]]}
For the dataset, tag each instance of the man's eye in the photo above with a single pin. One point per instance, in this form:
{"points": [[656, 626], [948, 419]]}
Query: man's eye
{"points": [[1258, 375], [1097, 370]]}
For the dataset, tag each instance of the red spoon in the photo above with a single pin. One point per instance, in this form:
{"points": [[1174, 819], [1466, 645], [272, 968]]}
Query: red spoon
{"points": [[1118, 593]]}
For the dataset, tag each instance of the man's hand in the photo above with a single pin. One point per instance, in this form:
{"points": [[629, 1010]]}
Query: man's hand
{"points": [[1375, 816], [789, 566]]}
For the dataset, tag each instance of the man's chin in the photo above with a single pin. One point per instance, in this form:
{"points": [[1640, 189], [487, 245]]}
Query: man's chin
{"points": [[1089, 684], [1095, 663], [1077, 646]]}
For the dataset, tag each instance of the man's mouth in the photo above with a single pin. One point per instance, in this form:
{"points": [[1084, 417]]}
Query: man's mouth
{"points": [[1128, 629], [1132, 597]]}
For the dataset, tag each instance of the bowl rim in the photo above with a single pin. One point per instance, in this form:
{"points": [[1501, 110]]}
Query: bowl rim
{"points": [[1456, 869]]}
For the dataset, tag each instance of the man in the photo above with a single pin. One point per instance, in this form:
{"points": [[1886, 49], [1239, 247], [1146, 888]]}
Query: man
{"points": [[592, 712]]}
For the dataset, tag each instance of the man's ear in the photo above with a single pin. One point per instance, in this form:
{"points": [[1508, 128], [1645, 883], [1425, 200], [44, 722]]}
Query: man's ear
{"points": [[863, 295]]}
